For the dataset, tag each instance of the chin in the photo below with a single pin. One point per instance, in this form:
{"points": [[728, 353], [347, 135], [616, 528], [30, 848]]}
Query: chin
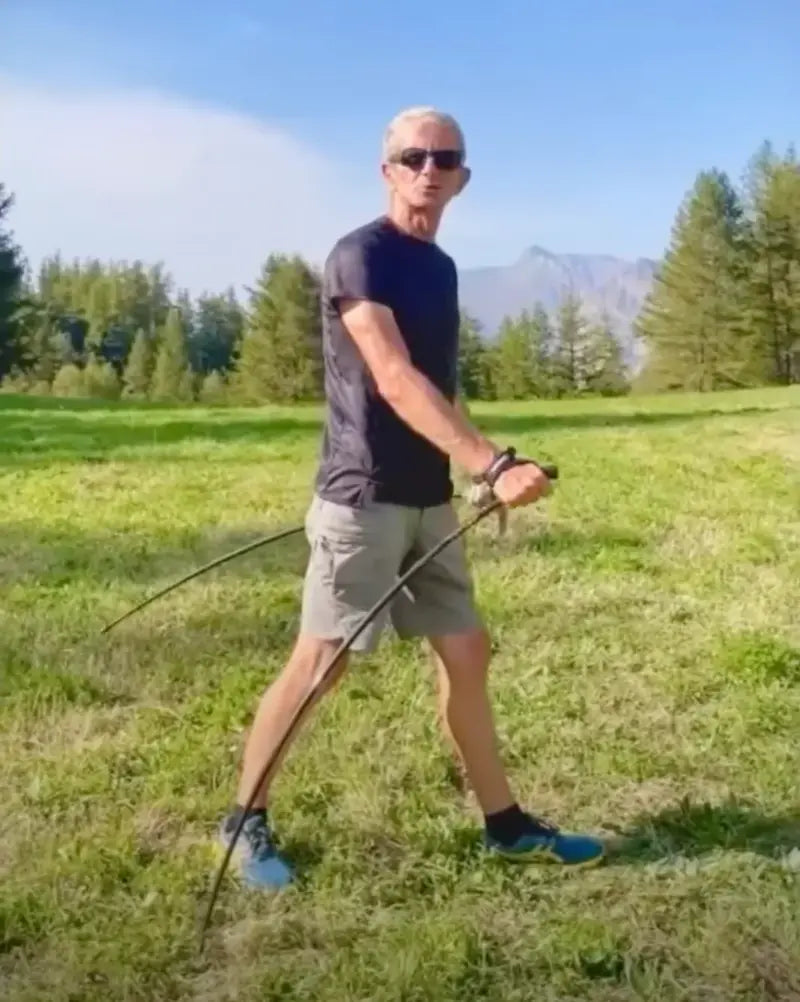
{"points": [[434, 200]]}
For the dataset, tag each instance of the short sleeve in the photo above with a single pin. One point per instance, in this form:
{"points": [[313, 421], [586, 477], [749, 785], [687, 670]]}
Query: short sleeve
{"points": [[354, 270]]}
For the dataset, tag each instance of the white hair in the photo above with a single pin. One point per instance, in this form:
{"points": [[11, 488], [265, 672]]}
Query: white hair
{"points": [[419, 113]]}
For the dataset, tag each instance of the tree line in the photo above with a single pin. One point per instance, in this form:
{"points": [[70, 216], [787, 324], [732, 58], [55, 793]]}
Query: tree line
{"points": [[723, 311], [119, 330]]}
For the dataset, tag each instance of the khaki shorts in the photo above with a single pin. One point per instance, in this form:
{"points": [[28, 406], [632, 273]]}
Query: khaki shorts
{"points": [[357, 554]]}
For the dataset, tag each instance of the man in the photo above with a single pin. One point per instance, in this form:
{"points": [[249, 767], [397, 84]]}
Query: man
{"points": [[383, 493]]}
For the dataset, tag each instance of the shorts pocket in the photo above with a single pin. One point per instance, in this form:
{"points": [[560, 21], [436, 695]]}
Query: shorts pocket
{"points": [[344, 527]]}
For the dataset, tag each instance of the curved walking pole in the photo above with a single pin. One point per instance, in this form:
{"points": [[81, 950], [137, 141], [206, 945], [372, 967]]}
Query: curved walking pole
{"points": [[207, 567], [366, 619]]}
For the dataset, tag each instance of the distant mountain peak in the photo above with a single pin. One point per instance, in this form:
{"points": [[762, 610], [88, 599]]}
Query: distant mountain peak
{"points": [[535, 251], [608, 286]]}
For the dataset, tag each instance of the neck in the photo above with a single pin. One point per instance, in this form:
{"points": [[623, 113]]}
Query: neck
{"points": [[420, 223]]}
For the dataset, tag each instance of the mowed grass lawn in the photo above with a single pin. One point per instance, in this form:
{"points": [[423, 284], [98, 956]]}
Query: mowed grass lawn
{"points": [[646, 678]]}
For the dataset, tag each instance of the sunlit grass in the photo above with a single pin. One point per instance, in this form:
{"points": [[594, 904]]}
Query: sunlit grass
{"points": [[646, 678]]}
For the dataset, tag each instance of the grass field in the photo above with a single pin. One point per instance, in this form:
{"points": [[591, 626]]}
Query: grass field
{"points": [[646, 679]]}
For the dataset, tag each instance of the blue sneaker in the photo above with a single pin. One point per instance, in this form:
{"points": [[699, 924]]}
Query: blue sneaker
{"points": [[545, 843], [260, 864]]}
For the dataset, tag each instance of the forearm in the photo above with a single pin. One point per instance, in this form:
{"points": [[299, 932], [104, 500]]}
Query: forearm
{"points": [[409, 392], [420, 404]]}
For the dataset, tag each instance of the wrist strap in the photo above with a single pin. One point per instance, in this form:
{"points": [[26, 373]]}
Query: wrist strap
{"points": [[501, 462]]}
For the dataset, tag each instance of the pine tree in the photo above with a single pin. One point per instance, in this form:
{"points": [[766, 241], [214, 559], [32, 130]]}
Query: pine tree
{"points": [[544, 338], [138, 370], [11, 279], [281, 351], [692, 319], [213, 389], [43, 350], [772, 297], [513, 365], [471, 358], [569, 356], [216, 333], [535, 328], [605, 370], [169, 382], [100, 379], [69, 381], [100, 307]]}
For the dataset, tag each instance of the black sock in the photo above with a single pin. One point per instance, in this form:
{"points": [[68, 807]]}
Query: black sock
{"points": [[508, 825], [238, 811]]}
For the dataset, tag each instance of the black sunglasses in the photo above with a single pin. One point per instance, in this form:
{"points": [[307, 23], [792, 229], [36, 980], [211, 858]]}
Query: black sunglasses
{"points": [[415, 158]]}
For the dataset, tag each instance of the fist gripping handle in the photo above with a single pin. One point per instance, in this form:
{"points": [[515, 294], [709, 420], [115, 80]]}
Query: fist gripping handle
{"points": [[504, 461]]}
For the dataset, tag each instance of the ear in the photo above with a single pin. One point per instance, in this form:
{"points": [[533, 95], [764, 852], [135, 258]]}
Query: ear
{"points": [[466, 174]]}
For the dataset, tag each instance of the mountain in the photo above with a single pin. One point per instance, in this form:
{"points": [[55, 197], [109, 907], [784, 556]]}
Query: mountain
{"points": [[604, 283]]}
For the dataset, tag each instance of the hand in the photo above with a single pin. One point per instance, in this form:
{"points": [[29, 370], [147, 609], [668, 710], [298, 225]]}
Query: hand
{"points": [[521, 484]]}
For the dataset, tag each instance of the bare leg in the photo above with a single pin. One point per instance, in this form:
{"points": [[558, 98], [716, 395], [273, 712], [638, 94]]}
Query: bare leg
{"points": [[278, 705], [466, 715], [458, 772]]}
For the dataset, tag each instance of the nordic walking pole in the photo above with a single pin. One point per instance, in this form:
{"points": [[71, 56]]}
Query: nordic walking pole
{"points": [[366, 619], [206, 567]]}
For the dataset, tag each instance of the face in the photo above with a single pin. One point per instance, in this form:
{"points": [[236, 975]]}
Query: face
{"points": [[417, 179]]}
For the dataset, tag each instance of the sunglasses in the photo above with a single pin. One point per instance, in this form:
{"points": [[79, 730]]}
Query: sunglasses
{"points": [[415, 159]]}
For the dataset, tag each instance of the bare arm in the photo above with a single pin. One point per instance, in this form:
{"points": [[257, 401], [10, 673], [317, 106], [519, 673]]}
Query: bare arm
{"points": [[410, 393]]}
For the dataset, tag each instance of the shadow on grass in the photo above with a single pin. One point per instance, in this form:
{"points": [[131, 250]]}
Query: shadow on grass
{"points": [[690, 831], [544, 540], [61, 558], [75, 438], [515, 424], [87, 431], [32, 403]]}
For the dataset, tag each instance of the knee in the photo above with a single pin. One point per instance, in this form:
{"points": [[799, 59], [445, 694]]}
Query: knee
{"points": [[311, 658], [478, 659], [465, 658]]}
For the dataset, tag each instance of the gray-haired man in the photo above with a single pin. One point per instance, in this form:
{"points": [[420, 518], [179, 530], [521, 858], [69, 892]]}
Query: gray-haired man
{"points": [[383, 493]]}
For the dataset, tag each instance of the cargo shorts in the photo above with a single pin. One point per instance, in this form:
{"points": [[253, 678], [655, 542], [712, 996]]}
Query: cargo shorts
{"points": [[357, 554]]}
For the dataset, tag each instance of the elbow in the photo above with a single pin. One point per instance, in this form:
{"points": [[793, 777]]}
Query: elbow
{"points": [[390, 383]]}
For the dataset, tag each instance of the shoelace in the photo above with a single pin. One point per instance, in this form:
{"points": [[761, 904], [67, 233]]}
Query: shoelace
{"points": [[545, 827], [260, 837]]}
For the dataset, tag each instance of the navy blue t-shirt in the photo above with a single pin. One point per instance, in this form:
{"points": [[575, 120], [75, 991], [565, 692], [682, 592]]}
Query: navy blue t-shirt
{"points": [[368, 451]]}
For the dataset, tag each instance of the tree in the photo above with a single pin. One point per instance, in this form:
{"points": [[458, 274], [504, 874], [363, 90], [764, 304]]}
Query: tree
{"points": [[692, 319], [569, 356], [515, 368], [172, 381], [139, 368], [44, 353], [772, 296], [213, 389], [605, 371], [471, 358], [513, 363], [11, 278], [100, 307], [544, 337], [281, 352], [216, 333], [69, 382], [101, 379]]}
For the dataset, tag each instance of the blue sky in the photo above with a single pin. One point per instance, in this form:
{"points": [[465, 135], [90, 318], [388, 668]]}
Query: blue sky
{"points": [[207, 134]]}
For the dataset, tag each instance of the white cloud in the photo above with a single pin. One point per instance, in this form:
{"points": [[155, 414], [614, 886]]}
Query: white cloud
{"points": [[210, 192]]}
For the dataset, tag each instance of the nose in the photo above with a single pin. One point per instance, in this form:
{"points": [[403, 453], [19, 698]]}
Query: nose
{"points": [[429, 165]]}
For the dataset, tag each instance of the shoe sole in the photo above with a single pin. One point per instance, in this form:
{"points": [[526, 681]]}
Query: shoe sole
{"points": [[548, 858]]}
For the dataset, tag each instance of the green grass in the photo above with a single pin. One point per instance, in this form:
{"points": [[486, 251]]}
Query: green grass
{"points": [[646, 678]]}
